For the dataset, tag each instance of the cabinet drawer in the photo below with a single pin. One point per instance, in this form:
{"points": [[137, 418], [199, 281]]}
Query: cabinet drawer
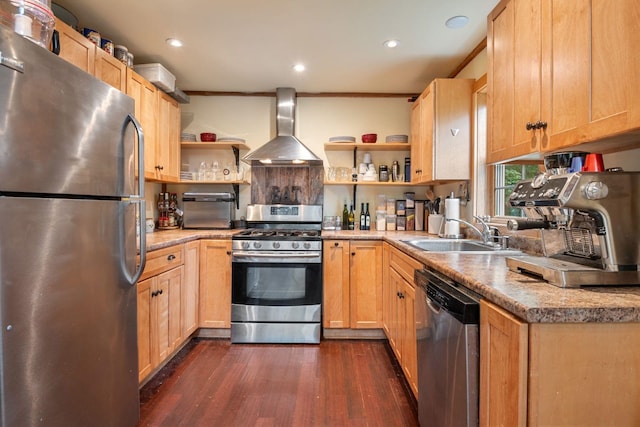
{"points": [[404, 264], [163, 260]]}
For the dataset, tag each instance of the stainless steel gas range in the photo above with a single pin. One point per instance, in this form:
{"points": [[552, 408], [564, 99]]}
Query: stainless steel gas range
{"points": [[277, 276]]}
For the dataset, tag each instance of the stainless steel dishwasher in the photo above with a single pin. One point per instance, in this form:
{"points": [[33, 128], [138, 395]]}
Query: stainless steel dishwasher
{"points": [[447, 317]]}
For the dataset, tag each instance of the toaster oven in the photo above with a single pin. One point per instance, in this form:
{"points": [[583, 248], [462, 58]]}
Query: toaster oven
{"points": [[208, 210]]}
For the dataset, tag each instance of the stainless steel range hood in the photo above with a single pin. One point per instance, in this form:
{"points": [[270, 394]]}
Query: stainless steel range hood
{"points": [[285, 148]]}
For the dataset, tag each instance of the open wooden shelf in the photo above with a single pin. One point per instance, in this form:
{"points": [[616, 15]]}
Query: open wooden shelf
{"points": [[376, 146]]}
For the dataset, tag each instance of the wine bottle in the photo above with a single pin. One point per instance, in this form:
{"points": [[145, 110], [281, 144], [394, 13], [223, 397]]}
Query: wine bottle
{"points": [[362, 218], [352, 219], [345, 217], [367, 218]]}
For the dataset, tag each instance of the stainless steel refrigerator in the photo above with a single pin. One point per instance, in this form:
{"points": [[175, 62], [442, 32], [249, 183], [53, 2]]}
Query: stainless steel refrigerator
{"points": [[68, 205]]}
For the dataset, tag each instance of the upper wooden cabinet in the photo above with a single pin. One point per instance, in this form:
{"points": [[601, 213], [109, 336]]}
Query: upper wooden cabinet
{"points": [[168, 149], [146, 99], [110, 70], [76, 48], [562, 74], [441, 132]]}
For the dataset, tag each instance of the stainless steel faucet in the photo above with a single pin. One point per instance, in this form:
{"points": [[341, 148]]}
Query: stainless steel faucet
{"points": [[487, 232]]}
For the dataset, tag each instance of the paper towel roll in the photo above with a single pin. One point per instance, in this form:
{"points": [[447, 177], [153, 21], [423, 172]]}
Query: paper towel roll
{"points": [[452, 210]]}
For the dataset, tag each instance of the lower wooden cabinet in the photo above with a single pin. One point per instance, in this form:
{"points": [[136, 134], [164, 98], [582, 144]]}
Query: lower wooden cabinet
{"points": [[215, 283], [191, 288], [561, 374], [159, 319], [399, 317], [503, 367], [352, 276]]}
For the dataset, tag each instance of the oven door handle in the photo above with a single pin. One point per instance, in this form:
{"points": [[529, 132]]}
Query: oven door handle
{"points": [[276, 255]]}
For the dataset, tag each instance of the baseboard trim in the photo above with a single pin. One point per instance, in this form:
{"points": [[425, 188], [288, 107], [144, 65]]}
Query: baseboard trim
{"points": [[353, 334]]}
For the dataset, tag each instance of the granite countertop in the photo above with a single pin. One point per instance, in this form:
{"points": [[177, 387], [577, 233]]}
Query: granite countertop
{"points": [[533, 300]]}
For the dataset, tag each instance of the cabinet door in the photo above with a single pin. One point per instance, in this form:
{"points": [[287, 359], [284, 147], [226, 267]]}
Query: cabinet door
{"points": [[336, 287], [387, 291], [503, 367], [168, 154], [75, 48], [514, 52], [215, 283], [427, 141], [366, 284], [145, 359], [408, 331], [146, 109], [395, 313], [592, 70], [110, 70], [173, 280], [160, 339], [191, 288], [416, 138]]}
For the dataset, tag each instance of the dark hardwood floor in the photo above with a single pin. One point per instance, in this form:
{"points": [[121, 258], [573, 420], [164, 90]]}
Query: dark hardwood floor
{"points": [[337, 383]]}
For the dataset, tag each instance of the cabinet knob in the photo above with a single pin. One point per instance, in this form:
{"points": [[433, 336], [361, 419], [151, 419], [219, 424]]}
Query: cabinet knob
{"points": [[537, 125], [353, 254], [171, 257], [336, 244], [228, 252]]}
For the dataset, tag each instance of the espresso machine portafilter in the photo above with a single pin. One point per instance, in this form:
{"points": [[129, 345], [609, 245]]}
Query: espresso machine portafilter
{"points": [[598, 216]]}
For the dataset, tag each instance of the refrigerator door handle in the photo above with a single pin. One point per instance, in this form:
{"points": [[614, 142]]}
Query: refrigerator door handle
{"points": [[138, 128], [140, 201]]}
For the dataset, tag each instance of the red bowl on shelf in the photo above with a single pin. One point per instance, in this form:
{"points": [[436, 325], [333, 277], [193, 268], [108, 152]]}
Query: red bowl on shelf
{"points": [[207, 137], [370, 137]]}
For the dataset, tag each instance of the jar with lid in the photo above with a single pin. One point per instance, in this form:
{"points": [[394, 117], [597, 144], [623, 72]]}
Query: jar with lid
{"points": [[121, 53], [383, 175]]}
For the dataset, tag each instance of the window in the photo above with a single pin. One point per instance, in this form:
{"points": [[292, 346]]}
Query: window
{"points": [[506, 178]]}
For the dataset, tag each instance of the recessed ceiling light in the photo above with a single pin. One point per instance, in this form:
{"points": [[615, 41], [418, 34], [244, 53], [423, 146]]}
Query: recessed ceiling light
{"points": [[299, 68], [391, 43], [457, 22], [174, 42]]}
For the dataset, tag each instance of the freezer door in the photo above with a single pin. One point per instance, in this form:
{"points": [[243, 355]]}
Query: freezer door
{"points": [[68, 312], [62, 131]]}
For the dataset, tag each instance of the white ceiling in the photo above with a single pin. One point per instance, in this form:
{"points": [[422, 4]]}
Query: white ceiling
{"points": [[251, 45]]}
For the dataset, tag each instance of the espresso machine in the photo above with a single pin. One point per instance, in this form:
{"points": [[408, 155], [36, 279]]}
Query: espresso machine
{"points": [[590, 225]]}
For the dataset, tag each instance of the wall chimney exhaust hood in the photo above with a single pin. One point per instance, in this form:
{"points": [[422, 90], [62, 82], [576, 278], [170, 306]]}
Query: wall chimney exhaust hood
{"points": [[285, 148]]}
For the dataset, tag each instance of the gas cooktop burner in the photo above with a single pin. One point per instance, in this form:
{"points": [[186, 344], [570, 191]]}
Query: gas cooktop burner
{"points": [[270, 233]]}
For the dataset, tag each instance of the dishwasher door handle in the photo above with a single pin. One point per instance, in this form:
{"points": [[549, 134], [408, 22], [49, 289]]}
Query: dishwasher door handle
{"points": [[433, 307]]}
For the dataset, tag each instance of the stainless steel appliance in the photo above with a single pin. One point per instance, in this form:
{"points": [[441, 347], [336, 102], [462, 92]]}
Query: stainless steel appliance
{"points": [[208, 210], [276, 287], [591, 227], [68, 270], [285, 148], [447, 317]]}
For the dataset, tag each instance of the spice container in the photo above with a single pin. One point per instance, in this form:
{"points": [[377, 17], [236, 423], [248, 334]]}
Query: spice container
{"points": [[391, 222], [383, 173], [381, 220], [391, 206], [121, 53]]}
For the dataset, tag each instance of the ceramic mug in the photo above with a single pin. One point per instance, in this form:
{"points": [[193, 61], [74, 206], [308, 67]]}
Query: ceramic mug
{"points": [[150, 225], [593, 163]]}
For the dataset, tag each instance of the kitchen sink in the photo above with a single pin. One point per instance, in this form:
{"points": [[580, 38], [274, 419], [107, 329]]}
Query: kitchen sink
{"points": [[457, 245]]}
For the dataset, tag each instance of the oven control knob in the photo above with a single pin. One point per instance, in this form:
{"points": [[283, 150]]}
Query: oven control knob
{"points": [[257, 245], [307, 245], [245, 245], [295, 245], [276, 245]]}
